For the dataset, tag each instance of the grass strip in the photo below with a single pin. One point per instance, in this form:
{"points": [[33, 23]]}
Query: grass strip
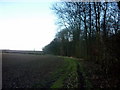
{"points": [[68, 75]]}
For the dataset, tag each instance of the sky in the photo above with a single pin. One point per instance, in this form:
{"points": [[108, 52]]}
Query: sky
{"points": [[26, 24]]}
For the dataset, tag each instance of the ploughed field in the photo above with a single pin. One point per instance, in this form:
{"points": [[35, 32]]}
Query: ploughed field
{"points": [[28, 70], [22, 70]]}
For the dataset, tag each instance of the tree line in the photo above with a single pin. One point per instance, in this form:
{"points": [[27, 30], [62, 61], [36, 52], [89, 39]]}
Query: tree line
{"points": [[88, 30]]}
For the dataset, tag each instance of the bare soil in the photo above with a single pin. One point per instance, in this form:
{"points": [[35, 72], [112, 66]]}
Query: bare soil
{"points": [[28, 71]]}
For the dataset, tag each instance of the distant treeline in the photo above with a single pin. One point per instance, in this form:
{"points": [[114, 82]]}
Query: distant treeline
{"points": [[89, 30], [22, 52]]}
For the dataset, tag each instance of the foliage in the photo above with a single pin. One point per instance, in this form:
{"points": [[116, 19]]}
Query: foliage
{"points": [[90, 30]]}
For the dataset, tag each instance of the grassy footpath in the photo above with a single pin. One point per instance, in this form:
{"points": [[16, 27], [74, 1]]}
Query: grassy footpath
{"points": [[71, 75], [68, 77], [77, 73]]}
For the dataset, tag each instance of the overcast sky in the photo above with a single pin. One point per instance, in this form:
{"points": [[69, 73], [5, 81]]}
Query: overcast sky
{"points": [[26, 25]]}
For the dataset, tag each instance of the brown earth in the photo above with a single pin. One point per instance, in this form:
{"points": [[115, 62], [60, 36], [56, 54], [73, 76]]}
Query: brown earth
{"points": [[28, 71]]}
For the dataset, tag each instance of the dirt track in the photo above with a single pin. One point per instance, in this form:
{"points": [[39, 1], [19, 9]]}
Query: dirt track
{"points": [[28, 71]]}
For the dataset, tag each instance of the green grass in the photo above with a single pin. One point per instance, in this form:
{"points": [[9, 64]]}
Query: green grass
{"points": [[68, 75]]}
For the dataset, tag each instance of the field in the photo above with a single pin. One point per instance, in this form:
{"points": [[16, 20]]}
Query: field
{"points": [[21, 70], [28, 71]]}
